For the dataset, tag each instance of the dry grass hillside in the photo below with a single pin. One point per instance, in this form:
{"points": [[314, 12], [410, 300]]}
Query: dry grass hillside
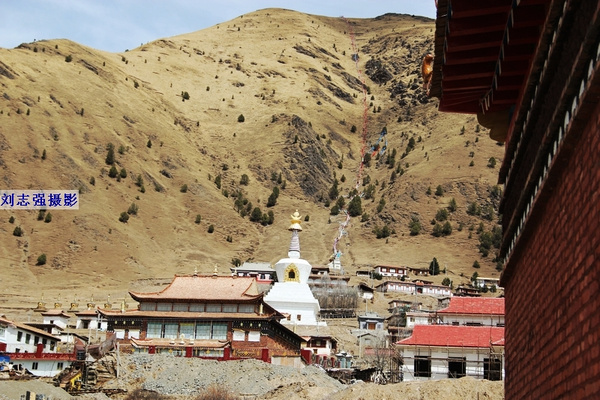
{"points": [[293, 79]]}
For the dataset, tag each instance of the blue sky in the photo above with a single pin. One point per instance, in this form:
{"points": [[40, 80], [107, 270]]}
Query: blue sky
{"points": [[117, 25]]}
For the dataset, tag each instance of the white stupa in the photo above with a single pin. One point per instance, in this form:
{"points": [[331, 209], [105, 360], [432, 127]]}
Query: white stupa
{"points": [[291, 295]]}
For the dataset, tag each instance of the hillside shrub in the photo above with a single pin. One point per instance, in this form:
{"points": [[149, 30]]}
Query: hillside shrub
{"points": [[355, 207], [69, 58], [41, 215], [41, 260], [113, 172], [123, 173], [184, 188], [124, 217], [198, 218], [133, 209], [48, 218], [244, 180], [241, 118], [441, 215], [439, 191], [414, 225], [18, 231], [211, 228], [11, 220]]}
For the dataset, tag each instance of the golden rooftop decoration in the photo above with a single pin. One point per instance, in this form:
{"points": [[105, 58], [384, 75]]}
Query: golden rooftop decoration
{"points": [[296, 218]]}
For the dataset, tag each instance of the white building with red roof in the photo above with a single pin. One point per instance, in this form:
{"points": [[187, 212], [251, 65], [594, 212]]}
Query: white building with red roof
{"points": [[446, 351], [473, 311]]}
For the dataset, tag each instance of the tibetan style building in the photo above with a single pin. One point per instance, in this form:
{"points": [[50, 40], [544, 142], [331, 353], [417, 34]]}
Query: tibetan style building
{"points": [[222, 317], [530, 71]]}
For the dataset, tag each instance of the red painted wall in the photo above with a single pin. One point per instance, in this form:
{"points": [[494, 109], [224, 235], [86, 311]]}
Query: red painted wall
{"points": [[552, 297]]}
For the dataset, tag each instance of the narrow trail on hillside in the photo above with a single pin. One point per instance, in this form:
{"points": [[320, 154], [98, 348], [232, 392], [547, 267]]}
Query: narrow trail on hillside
{"points": [[343, 226]]}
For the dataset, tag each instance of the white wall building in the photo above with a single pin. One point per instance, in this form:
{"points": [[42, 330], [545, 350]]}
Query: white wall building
{"points": [[446, 351], [32, 349]]}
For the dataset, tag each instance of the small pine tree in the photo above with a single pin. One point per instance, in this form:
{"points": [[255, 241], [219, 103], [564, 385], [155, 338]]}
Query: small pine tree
{"points": [[211, 228], [123, 173], [18, 231], [434, 267], [48, 218], [476, 264], [198, 219], [241, 118], [113, 172], [439, 191], [184, 188], [41, 215], [244, 180], [11, 220], [149, 144], [355, 207], [44, 154], [110, 155]]}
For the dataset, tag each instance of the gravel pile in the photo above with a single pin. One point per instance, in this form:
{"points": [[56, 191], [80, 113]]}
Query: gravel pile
{"points": [[171, 375]]}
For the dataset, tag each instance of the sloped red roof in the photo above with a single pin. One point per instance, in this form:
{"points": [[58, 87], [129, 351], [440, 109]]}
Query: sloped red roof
{"points": [[454, 336], [197, 287], [475, 305]]}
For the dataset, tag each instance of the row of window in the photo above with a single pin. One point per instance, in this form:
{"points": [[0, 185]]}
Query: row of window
{"points": [[457, 368], [36, 340], [187, 330], [198, 307]]}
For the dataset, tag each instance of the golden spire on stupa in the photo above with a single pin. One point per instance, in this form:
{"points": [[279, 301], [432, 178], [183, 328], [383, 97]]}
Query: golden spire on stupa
{"points": [[296, 218]]}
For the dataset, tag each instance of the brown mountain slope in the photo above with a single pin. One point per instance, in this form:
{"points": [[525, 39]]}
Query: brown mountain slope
{"points": [[293, 79]]}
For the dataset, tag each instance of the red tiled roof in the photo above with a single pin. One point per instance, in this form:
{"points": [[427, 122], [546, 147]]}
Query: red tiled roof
{"points": [[454, 336], [196, 287], [475, 305]]}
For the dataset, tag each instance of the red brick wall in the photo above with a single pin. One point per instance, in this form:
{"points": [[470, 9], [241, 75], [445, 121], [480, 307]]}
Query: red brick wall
{"points": [[553, 294]]}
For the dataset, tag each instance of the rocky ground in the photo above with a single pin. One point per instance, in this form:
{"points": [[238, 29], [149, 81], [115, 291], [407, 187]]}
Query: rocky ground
{"points": [[184, 378]]}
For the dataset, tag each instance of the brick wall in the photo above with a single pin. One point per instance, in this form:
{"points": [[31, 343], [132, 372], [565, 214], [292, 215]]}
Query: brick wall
{"points": [[553, 293]]}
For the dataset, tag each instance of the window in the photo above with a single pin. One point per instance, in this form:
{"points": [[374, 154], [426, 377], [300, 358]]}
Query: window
{"points": [[19, 336], [422, 366], [474, 324], [171, 330], [455, 323], [36, 340], [198, 307], [203, 330], [254, 336], [180, 307], [148, 306], [229, 308], [187, 330], [457, 367], [492, 369], [2, 331], [44, 342], [86, 324], [246, 308], [60, 366], [34, 365], [219, 331], [164, 307], [27, 338], [299, 317], [154, 330], [213, 308], [52, 344], [239, 335]]}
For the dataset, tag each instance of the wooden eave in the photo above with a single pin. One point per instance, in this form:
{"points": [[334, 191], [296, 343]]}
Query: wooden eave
{"points": [[483, 52]]}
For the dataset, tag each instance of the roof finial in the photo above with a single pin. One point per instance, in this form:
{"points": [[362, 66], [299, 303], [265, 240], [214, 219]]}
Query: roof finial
{"points": [[216, 271]]}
